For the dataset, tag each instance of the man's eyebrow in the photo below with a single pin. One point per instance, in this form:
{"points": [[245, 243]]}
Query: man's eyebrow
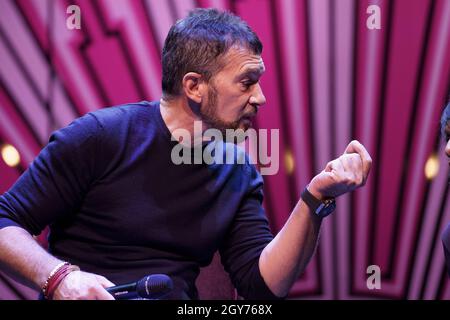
{"points": [[252, 72]]}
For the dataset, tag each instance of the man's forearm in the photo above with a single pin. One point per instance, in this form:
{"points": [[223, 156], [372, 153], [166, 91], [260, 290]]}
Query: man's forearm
{"points": [[286, 256], [289, 252], [23, 258]]}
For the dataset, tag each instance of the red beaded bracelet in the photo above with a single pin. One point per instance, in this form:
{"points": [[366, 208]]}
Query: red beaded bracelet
{"points": [[55, 269], [58, 277], [55, 278]]}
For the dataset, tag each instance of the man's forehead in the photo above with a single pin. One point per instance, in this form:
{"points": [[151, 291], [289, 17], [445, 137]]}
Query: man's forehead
{"points": [[244, 61], [256, 66]]}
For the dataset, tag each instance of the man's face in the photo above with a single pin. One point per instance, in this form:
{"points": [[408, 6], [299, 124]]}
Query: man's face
{"points": [[234, 93], [447, 138]]}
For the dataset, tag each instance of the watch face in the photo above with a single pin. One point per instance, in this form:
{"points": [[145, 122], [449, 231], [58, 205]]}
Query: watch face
{"points": [[326, 208], [320, 208]]}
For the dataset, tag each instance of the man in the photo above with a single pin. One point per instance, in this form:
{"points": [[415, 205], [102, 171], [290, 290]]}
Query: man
{"points": [[445, 129], [119, 208]]}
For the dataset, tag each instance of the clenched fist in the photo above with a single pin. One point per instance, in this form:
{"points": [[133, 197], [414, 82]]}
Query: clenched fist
{"points": [[344, 174]]}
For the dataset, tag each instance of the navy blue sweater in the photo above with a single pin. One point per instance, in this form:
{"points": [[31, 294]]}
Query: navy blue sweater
{"points": [[118, 206]]}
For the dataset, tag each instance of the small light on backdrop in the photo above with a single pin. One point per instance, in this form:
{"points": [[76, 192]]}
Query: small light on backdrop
{"points": [[431, 167], [10, 155], [289, 162]]}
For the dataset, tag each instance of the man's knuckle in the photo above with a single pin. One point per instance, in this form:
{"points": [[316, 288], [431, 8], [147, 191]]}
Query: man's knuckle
{"points": [[346, 180], [92, 290]]}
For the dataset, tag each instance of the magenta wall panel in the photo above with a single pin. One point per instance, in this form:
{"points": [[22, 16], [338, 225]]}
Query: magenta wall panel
{"points": [[329, 79]]}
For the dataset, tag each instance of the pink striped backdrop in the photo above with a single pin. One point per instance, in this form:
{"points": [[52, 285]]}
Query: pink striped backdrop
{"points": [[329, 80]]}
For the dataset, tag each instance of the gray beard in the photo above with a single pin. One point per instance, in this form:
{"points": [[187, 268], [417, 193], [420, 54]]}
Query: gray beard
{"points": [[209, 115]]}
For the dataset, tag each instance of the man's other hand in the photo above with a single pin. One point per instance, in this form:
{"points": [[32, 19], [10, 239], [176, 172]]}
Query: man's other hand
{"points": [[79, 285]]}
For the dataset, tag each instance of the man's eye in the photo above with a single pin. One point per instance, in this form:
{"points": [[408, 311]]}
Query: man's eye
{"points": [[247, 84]]}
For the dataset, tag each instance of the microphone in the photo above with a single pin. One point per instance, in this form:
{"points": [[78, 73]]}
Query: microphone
{"points": [[155, 286]]}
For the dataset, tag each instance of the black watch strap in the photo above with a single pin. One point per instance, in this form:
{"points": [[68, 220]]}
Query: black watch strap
{"points": [[319, 207]]}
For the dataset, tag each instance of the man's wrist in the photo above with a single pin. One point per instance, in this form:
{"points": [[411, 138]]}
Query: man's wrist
{"points": [[56, 276], [315, 193], [321, 207], [43, 271]]}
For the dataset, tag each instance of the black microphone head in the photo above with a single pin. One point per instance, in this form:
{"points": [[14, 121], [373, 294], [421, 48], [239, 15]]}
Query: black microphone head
{"points": [[155, 286]]}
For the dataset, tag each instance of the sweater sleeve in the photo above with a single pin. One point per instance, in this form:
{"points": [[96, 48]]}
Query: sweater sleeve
{"points": [[55, 183], [246, 239]]}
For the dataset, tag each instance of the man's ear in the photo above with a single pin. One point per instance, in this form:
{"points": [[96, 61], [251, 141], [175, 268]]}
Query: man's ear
{"points": [[194, 86]]}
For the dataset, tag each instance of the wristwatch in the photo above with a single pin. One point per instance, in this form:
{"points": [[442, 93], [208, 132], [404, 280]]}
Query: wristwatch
{"points": [[318, 207]]}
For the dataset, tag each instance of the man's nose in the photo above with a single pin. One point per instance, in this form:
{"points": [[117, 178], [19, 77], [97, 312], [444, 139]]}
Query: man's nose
{"points": [[257, 97]]}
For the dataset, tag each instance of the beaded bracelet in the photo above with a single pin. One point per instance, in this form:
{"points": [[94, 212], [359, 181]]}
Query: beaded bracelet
{"points": [[56, 276], [55, 269]]}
